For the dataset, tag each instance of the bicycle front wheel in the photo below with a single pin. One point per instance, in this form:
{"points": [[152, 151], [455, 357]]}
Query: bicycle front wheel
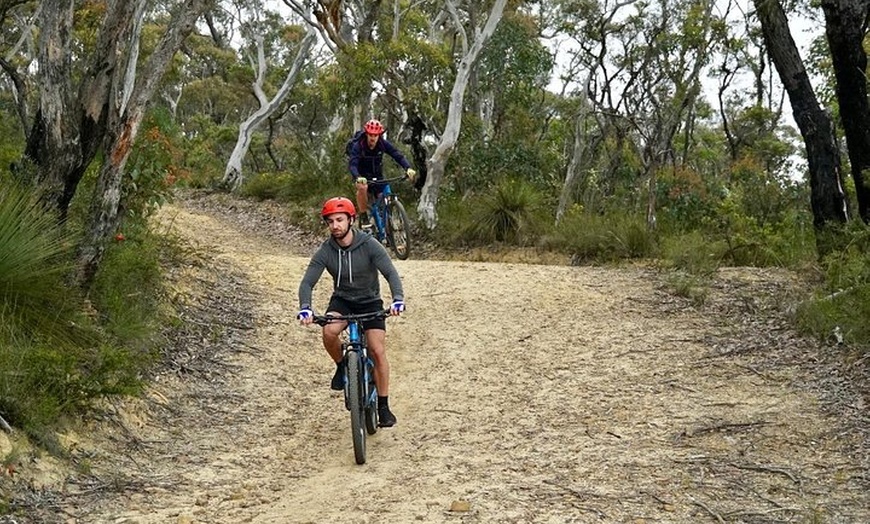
{"points": [[371, 407], [355, 393], [399, 230]]}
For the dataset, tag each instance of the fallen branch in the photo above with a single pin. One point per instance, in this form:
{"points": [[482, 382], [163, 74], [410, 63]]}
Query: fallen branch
{"points": [[5, 425], [760, 512], [712, 513], [725, 427], [658, 499], [769, 469], [444, 410]]}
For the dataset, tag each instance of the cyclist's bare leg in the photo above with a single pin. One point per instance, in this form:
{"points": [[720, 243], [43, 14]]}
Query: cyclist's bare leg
{"points": [[362, 197], [332, 339], [376, 340]]}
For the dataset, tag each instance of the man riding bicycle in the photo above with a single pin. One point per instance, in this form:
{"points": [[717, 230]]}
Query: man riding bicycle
{"points": [[366, 165], [354, 261]]}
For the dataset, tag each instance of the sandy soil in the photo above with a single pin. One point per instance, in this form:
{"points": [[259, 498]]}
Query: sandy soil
{"points": [[524, 393]]}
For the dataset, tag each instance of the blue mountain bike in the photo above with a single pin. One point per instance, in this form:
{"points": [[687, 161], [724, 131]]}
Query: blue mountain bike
{"points": [[360, 391], [391, 224]]}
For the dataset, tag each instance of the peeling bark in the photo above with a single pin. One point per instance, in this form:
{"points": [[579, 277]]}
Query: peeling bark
{"points": [[121, 131]]}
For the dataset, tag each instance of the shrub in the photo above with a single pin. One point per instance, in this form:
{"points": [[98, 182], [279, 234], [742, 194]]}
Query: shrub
{"points": [[128, 287], [59, 352], [843, 305], [692, 253], [511, 214], [601, 238], [266, 186]]}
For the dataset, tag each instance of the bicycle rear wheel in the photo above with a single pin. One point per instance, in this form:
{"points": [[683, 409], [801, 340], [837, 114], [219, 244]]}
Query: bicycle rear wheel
{"points": [[399, 230], [355, 403]]}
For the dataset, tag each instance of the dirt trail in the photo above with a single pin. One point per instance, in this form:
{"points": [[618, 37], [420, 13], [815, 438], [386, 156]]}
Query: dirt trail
{"points": [[533, 393]]}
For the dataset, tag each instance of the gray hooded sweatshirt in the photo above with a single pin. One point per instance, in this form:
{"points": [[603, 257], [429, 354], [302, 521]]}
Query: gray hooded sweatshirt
{"points": [[354, 270]]}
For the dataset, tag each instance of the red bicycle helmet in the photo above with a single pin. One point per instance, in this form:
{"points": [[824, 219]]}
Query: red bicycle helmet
{"points": [[374, 127], [338, 205]]}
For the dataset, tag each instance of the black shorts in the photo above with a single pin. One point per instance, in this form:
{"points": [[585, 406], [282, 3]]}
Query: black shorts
{"points": [[343, 307], [376, 187]]}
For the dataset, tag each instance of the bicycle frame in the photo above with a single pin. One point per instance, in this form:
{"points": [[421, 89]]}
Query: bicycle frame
{"points": [[381, 211], [356, 342]]}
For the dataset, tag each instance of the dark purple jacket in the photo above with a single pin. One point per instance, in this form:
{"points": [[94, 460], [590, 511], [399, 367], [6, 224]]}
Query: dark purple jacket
{"points": [[369, 163]]}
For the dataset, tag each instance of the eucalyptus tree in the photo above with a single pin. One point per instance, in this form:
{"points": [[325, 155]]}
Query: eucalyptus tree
{"points": [[846, 26], [740, 52], [670, 84], [18, 50], [347, 28], [92, 90], [644, 63], [267, 105], [596, 31], [826, 191], [470, 53]]}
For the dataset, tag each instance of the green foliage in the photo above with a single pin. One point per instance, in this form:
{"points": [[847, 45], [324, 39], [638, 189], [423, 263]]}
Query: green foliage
{"points": [[510, 213], [843, 305], [33, 259], [476, 165], [684, 199], [514, 64], [154, 167], [591, 237], [12, 143], [310, 188], [58, 351], [127, 289], [688, 285], [692, 253], [268, 186], [207, 147], [51, 357], [759, 228]]}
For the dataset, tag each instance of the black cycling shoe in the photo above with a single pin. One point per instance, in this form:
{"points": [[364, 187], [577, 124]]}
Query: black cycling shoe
{"points": [[386, 419], [338, 379]]}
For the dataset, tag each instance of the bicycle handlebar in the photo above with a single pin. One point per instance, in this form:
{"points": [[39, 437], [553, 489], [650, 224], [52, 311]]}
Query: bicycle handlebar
{"points": [[322, 320], [385, 180]]}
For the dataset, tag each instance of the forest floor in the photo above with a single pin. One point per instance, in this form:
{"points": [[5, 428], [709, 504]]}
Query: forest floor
{"points": [[524, 394]]}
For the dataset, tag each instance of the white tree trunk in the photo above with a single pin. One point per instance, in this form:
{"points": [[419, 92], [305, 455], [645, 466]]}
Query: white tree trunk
{"points": [[429, 195], [581, 145], [233, 174]]}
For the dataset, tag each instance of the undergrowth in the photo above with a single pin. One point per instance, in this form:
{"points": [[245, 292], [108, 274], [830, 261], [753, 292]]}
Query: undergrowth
{"points": [[61, 350]]}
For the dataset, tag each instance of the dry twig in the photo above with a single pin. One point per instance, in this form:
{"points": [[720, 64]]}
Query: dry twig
{"points": [[770, 469], [712, 513], [739, 426]]}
